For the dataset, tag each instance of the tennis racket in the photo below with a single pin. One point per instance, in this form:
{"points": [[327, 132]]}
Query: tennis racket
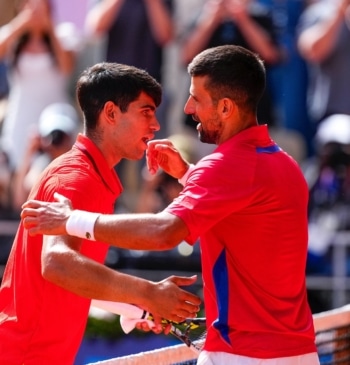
{"points": [[191, 331]]}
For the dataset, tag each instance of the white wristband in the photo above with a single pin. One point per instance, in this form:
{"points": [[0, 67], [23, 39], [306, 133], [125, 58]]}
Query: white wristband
{"points": [[81, 224], [183, 180]]}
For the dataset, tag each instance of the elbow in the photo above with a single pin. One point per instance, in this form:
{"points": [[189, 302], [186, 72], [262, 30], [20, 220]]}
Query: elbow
{"points": [[166, 232], [52, 268], [168, 236], [162, 241]]}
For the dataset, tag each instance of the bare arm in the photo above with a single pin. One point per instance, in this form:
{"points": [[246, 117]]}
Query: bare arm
{"points": [[257, 37], [316, 43], [148, 231], [65, 58], [208, 21], [160, 21], [101, 17], [10, 32], [160, 231], [217, 11], [63, 265]]}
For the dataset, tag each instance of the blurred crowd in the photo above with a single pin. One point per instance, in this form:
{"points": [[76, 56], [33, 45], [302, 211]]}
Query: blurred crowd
{"points": [[45, 44]]}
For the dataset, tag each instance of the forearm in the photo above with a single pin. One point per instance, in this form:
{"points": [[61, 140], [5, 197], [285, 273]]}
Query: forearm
{"points": [[157, 232], [88, 278], [160, 21], [101, 17], [65, 58], [199, 37], [316, 43], [10, 32], [259, 40]]}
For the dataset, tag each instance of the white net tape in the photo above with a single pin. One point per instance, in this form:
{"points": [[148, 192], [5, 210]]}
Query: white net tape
{"points": [[164, 356]]}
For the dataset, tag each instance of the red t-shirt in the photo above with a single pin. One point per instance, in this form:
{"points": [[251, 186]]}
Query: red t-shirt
{"points": [[41, 323], [247, 202]]}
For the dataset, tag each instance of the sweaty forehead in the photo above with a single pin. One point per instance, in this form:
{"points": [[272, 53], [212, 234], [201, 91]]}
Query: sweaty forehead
{"points": [[198, 87]]}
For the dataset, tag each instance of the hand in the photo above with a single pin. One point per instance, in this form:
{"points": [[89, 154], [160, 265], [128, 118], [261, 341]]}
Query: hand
{"points": [[46, 217], [163, 154], [157, 329], [37, 14], [237, 10], [169, 301], [214, 11]]}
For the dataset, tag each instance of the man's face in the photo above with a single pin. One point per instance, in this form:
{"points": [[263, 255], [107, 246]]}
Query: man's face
{"points": [[135, 128], [200, 106]]}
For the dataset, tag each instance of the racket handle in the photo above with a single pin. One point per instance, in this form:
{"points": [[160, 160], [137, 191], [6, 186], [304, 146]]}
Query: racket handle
{"points": [[125, 309]]}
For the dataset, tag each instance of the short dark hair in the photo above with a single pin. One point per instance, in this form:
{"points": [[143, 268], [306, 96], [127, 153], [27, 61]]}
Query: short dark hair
{"points": [[119, 83], [233, 72]]}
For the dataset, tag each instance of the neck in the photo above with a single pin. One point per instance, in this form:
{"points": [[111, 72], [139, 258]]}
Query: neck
{"points": [[103, 145]]}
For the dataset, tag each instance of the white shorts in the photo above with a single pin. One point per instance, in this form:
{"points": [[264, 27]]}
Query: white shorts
{"points": [[224, 358]]}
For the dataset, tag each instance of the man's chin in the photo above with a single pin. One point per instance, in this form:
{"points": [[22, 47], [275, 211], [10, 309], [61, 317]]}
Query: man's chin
{"points": [[204, 139]]}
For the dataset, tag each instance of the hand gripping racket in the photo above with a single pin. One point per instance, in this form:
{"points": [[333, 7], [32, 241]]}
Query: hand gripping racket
{"points": [[191, 331]]}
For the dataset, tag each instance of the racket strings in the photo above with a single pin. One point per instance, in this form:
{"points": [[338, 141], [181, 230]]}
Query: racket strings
{"points": [[191, 332]]}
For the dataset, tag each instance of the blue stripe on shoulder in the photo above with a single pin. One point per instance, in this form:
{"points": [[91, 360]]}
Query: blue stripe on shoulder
{"points": [[270, 149]]}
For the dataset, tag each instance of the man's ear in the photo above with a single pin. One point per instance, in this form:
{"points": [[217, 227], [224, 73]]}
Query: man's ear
{"points": [[226, 107], [109, 110]]}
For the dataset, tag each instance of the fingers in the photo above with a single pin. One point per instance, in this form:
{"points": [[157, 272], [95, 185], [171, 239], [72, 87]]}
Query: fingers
{"points": [[32, 204], [151, 161], [26, 215], [146, 327], [156, 151], [184, 280]]}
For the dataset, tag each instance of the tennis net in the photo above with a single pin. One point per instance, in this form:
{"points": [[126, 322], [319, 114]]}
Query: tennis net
{"points": [[332, 339], [333, 336]]}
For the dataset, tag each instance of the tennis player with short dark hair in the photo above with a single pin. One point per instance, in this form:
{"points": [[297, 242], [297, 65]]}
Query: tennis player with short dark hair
{"points": [[49, 281], [246, 202]]}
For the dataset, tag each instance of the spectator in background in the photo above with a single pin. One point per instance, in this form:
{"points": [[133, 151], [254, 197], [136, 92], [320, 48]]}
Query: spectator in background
{"points": [[7, 12], [39, 68], [241, 22], [288, 80], [136, 33], [324, 42], [328, 177], [57, 130]]}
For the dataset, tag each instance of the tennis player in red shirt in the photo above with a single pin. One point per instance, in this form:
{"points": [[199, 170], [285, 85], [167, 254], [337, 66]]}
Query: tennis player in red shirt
{"points": [[49, 281], [246, 203]]}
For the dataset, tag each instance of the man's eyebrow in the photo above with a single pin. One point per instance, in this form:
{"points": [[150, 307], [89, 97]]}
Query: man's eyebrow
{"points": [[148, 106], [193, 96]]}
